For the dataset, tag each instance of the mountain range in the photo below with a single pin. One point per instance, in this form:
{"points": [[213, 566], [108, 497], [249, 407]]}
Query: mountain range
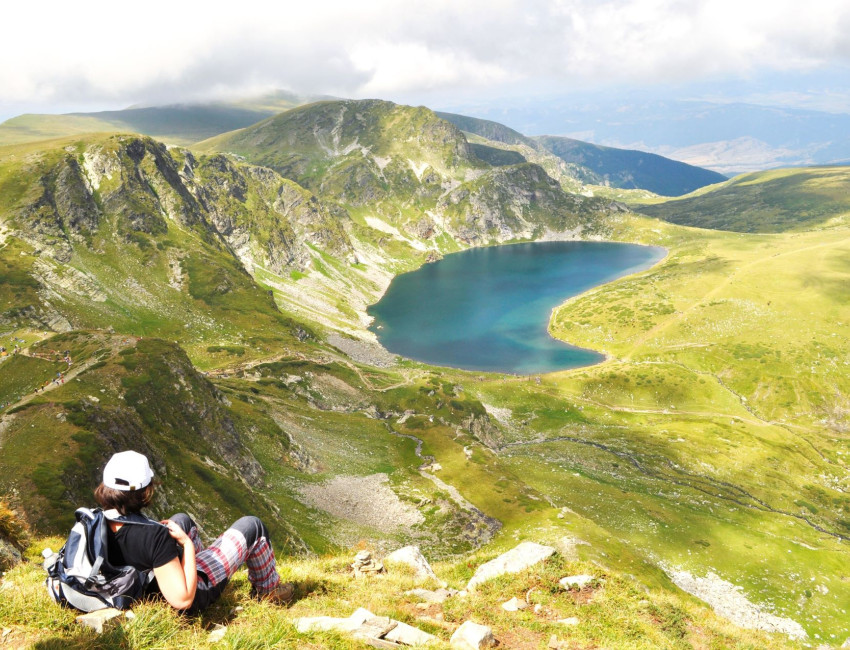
{"points": [[725, 136]]}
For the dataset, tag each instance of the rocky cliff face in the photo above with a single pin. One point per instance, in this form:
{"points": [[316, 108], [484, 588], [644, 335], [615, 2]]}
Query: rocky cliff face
{"points": [[130, 185], [267, 220], [517, 201]]}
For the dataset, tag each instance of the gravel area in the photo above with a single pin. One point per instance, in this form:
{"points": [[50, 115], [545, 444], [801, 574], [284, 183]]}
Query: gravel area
{"points": [[727, 600], [365, 500], [362, 351]]}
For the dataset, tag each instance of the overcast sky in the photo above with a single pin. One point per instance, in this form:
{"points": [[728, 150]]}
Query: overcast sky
{"points": [[63, 56]]}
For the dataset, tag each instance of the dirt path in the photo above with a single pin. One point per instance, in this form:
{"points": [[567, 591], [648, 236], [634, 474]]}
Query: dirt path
{"points": [[71, 374]]}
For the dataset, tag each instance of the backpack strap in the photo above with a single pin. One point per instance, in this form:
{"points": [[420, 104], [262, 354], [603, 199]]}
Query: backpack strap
{"points": [[95, 569], [131, 518]]}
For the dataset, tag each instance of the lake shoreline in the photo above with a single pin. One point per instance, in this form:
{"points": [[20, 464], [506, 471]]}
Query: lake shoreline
{"points": [[489, 309]]}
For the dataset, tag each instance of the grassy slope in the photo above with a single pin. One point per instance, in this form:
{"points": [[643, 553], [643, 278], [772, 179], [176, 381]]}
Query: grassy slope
{"points": [[774, 201], [614, 612], [725, 398], [124, 392]]}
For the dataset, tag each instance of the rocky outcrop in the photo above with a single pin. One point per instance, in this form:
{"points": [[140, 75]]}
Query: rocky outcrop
{"points": [[517, 201], [517, 559], [482, 427], [268, 221], [13, 537], [412, 557]]}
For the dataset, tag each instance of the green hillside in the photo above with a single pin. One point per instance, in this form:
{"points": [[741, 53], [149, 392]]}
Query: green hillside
{"points": [[773, 201], [180, 124], [629, 169], [410, 169], [487, 129]]}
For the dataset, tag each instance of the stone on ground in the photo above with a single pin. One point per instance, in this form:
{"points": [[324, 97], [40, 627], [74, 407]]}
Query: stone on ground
{"points": [[472, 636], [514, 605], [217, 634], [375, 628], [572, 620], [365, 565], [556, 644], [96, 619], [517, 559], [409, 635], [412, 556], [428, 596], [325, 623], [377, 631], [578, 581]]}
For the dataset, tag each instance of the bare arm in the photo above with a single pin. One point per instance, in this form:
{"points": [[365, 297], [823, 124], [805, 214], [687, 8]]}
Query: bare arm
{"points": [[178, 581]]}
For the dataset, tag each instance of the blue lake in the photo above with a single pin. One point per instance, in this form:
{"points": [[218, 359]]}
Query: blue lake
{"points": [[489, 308]]}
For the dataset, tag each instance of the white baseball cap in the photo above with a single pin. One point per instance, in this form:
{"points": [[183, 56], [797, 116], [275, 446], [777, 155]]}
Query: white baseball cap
{"points": [[127, 471]]}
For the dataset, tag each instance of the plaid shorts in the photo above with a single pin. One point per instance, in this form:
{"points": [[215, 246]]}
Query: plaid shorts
{"points": [[245, 542]]}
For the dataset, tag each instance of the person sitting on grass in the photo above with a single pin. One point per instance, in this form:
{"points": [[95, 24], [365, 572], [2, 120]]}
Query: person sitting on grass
{"points": [[189, 576]]}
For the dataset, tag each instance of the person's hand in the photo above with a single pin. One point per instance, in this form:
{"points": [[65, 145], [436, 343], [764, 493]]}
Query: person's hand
{"points": [[175, 531]]}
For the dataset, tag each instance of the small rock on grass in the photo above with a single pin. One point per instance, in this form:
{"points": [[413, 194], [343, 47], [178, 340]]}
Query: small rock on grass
{"points": [[217, 634], [578, 581], [514, 605], [96, 619], [556, 644], [572, 620], [438, 596], [472, 636]]}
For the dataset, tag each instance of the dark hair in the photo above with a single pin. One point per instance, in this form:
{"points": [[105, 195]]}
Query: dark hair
{"points": [[124, 501]]}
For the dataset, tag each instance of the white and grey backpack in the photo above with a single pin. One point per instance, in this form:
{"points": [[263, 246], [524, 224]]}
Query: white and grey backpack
{"points": [[80, 574]]}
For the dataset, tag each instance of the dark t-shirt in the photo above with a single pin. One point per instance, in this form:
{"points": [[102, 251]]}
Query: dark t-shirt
{"points": [[147, 547], [143, 546]]}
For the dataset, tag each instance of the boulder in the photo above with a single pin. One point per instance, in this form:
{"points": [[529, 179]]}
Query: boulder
{"points": [[412, 556], [472, 636], [517, 559]]}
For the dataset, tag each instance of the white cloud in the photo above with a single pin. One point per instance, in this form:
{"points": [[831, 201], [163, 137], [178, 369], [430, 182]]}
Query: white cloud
{"points": [[61, 53]]}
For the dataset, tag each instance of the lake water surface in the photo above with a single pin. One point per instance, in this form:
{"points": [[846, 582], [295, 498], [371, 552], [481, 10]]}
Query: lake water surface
{"points": [[489, 308]]}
